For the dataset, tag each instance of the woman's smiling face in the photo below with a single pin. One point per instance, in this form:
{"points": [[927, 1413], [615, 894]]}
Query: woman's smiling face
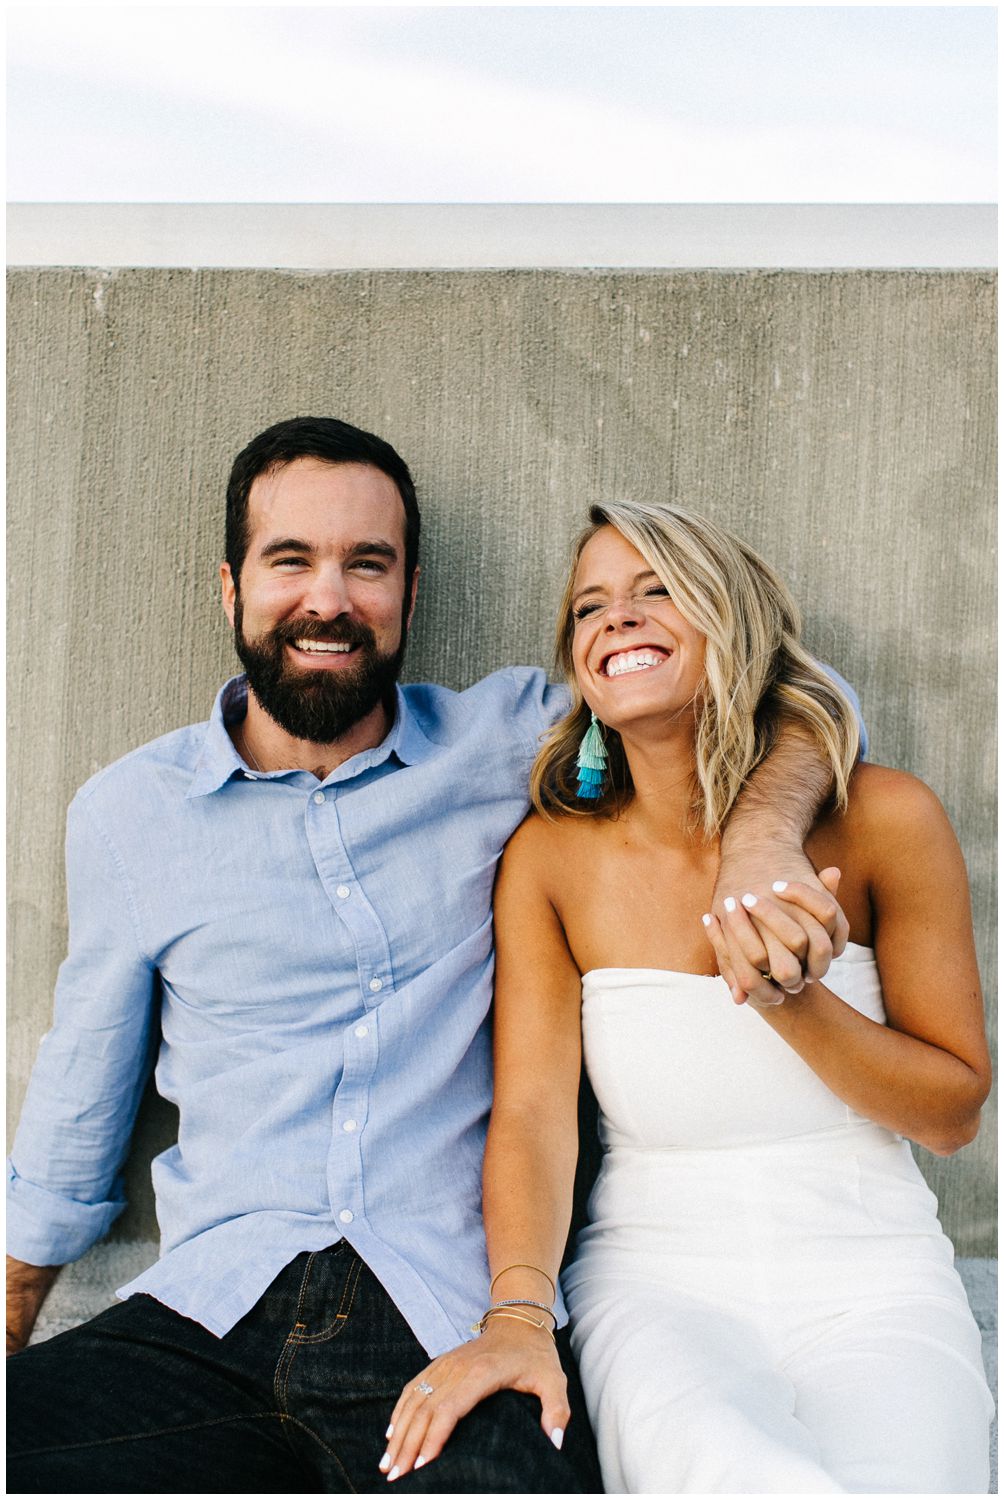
{"points": [[636, 658]]}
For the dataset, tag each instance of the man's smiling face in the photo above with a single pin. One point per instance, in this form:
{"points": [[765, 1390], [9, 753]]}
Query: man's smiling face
{"points": [[319, 611]]}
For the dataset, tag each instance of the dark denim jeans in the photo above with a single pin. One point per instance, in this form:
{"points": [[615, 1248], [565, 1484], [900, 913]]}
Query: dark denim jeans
{"points": [[295, 1399]]}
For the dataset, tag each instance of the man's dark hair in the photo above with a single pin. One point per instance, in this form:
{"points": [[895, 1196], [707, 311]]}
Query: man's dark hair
{"points": [[333, 442]]}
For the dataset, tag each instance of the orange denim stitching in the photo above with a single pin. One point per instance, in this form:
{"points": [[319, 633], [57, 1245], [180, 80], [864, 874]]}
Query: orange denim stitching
{"points": [[288, 1346], [341, 1316]]}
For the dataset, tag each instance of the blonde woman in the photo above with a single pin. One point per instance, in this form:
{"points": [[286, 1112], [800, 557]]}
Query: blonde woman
{"points": [[763, 1300]]}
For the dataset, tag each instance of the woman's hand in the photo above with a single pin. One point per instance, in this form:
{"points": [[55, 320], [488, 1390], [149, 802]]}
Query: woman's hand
{"points": [[789, 935], [509, 1355]]}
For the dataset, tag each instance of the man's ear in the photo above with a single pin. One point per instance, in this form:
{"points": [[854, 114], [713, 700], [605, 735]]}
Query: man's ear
{"points": [[229, 591], [414, 596]]}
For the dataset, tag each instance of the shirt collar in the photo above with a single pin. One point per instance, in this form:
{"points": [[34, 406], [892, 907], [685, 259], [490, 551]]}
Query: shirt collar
{"points": [[218, 760]]}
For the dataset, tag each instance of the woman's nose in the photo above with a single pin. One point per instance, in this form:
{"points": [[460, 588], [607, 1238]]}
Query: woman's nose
{"points": [[623, 614]]}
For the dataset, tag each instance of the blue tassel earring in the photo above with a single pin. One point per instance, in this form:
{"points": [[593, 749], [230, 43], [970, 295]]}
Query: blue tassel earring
{"points": [[592, 761]]}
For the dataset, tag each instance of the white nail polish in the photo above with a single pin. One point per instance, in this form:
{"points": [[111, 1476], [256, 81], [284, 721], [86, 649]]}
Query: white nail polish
{"points": [[558, 1436], [706, 920], [419, 1461], [730, 903], [749, 900], [779, 885], [390, 1431], [385, 1463], [395, 1471]]}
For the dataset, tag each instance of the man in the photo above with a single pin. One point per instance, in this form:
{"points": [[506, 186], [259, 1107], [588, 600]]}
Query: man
{"points": [[289, 908]]}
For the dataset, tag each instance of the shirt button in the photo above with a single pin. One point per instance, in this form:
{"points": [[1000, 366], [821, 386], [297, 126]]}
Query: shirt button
{"points": [[361, 1031], [342, 892], [318, 797], [376, 984], [349, 1125], [346, 1216]]}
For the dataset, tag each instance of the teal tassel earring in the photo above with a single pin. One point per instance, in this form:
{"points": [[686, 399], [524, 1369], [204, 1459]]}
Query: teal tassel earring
{"points": [[592, 761]]}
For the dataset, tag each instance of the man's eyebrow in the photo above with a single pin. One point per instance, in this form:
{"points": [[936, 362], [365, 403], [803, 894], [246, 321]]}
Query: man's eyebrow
{"points": [[596, 588], [285, 544], [374, 548]]}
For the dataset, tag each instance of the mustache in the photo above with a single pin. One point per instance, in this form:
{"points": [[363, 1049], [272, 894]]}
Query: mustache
{"points": [[342, 632]]}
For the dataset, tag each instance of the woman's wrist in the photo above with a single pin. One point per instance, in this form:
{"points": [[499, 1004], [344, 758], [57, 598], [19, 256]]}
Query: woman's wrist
{"points": [[510, 1333], [518, 1279]]}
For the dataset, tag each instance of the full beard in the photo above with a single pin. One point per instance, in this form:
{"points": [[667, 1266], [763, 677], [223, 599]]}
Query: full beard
{"points": [[321, 705]]}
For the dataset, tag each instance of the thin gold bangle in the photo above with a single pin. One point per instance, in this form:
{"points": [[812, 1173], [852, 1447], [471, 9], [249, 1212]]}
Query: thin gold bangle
{"points": [[520, 1265], [517, 1318]]}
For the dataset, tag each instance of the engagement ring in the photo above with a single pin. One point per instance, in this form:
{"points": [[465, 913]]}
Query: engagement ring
{"points": [[425, 1388]]}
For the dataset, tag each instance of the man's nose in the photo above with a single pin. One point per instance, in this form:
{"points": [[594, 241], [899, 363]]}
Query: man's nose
{"points": [[327, 594]]}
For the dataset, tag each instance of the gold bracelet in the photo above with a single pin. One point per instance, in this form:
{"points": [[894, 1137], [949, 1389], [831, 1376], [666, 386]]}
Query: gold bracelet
{"points": [[517, 1317], [520, 1265], [525, 1302]]}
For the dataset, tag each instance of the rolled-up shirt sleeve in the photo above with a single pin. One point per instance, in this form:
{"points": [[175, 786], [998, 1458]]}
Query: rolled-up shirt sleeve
{"points": [[64, 1172]]}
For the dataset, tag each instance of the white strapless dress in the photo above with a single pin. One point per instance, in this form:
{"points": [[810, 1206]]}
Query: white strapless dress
{"points": [[763, 1301]]}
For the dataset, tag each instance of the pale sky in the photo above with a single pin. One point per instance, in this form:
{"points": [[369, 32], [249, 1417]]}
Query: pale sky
{"points": [[328, 103]]}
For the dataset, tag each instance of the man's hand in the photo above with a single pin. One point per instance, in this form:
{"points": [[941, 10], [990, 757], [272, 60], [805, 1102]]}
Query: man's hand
{"points": [[505, 1357], [27, 1288], [770, 944]]}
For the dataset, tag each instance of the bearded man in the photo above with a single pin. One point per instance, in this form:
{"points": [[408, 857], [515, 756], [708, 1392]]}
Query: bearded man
{"points": [[288, 911]]}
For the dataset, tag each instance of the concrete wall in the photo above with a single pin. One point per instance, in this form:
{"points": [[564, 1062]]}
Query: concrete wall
{"points": [[841, 421]]}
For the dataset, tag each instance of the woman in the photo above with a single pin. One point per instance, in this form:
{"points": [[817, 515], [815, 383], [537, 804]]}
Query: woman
{"points": [[763, 1300]]}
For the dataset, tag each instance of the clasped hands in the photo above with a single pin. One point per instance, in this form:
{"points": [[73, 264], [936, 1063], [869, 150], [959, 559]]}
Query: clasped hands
{"points": [[770, 942]]}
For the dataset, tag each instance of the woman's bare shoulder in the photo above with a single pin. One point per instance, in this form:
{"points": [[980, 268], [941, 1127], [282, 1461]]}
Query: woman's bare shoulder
{"points": [[891, 815], [885, 799], [542, 844]]}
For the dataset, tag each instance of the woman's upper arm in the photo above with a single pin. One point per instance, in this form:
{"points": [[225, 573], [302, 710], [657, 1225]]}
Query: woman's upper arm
{"points": [[923, 919], [537, 986]]}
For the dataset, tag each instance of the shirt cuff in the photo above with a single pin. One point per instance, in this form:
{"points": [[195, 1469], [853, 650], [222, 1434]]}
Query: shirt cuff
{"points": [[46, 1229]]}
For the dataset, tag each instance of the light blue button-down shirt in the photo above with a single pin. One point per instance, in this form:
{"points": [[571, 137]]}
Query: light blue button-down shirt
{"points": [[311, 965]]}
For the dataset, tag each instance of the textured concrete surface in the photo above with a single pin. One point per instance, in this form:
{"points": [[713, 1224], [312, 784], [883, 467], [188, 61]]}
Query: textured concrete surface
{"points": [[842, 422], [368, 236]]}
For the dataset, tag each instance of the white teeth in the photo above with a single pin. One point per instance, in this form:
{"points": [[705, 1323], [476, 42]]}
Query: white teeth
{"points": [[322, 646], [632, 661]]}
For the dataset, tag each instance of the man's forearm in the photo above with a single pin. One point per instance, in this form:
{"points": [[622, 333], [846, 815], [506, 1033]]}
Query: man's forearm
{"points": [[782, 797], [27, 1288]]}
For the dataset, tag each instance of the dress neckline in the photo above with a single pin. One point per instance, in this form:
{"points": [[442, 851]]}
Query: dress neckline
{"points": [[865, 953]]}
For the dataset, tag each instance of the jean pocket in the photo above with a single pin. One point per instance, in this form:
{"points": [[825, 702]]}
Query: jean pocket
{"points": [[327, 1295]]}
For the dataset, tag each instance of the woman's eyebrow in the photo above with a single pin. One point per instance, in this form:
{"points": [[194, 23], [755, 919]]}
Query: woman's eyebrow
{"points": [[597, 588]]}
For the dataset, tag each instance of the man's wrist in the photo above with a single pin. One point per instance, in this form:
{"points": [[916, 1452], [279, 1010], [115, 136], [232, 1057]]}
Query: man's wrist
{"points": [[764, 829], [30, 1281], [27, 1288], [29, 1272]]}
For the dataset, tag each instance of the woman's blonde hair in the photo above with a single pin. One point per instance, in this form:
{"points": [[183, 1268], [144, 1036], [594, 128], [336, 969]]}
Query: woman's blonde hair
{"points": [[757, 674]]}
